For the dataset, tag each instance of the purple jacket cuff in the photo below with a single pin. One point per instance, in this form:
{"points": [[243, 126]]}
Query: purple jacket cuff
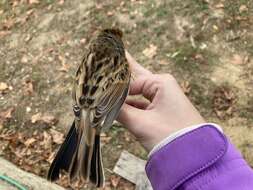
{"points": [[186, 156]]}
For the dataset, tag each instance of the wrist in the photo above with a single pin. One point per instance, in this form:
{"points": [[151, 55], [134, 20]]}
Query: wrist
{"points": [[177, 134]]}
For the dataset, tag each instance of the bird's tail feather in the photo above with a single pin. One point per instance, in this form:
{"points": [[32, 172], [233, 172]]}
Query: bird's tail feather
{"points": [[97, 173], [89, 156], [64, 156], [80, 154]]}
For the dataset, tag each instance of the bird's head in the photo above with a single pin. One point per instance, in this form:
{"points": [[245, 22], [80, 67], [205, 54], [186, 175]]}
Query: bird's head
{"points": [[114, 31]]}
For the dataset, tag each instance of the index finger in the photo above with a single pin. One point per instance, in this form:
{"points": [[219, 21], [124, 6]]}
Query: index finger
{"points": [[136, 68]]}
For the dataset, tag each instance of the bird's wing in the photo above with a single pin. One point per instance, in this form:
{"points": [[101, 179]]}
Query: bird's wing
{"points": [[113, 98]]}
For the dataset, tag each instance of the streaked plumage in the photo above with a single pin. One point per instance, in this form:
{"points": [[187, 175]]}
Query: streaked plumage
{"points": [[100, 88]]}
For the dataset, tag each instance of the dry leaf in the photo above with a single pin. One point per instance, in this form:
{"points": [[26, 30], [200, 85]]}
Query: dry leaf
{"points": [[186, 87], [219, 6], [223, 102], [83, 41], [51, 157], [215, 27], [243, 8], [61, 2], [24, 59], [3, 86], [29, 141], [64, 68], [58, 137], [28, 87], [47, 140], [109, 13], [237, 59], [114, 180], [33, 1], [49, 119], [1, 126], [4, 33], [150, 52], [36, 117], [8, 24], [7, 114]]}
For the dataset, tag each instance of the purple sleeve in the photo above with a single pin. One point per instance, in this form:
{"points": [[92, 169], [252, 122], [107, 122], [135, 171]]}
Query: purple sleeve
{"points": [[202, 159]]}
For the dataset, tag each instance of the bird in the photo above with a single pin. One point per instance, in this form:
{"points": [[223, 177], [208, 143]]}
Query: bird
{"points": [[101, 85]]}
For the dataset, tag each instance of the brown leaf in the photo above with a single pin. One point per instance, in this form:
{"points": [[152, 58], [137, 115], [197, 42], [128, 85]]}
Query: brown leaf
{"points": [[110, 13], [36, 117], [7, 114], [8, 24], [49, 119], [219, 6], [150, 52], [29, 141], [51, 157], [33, 1], [114, 180], [61, 2], [243, 8], [24, 59], [223, 102], [1, 126], [237, 59], [3, 86], [58, 137], [47, 140], [28, 87], [83, 41], [186, 87], [4, 33]]}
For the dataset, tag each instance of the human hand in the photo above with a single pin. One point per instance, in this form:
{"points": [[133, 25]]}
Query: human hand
{"points": [[166, 111]]}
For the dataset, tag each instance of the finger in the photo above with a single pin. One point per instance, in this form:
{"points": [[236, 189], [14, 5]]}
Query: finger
{"points": [[131, 117], [143, 86], [140, 104], [136, 68]]}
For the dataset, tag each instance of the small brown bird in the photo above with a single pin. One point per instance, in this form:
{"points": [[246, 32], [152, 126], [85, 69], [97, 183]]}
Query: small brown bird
{"points": [[100, 88]]}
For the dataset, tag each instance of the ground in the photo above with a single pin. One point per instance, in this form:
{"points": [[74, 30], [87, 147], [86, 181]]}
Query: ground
{"points": [[205, 44]]}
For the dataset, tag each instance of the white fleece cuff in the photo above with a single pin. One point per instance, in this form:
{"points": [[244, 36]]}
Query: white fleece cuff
{"points": [[179, 133]]}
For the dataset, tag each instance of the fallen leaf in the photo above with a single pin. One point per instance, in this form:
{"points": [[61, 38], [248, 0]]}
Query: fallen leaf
{"points": [[36, 117], [33, 1], [219, 6], [49, 119], [3, 86], [51, 157], [215, 27], [28, 87], [150, 52], [1, 126], [8, 24], [243, 8], [223, 102], [7, 114], [114, 180], [58, 137], [64, 68], [186, 87], [61, 2], [29, 141], [83, 41], [4, 33], [237, 59], [47, 140], [110, 13], [24, 59]]}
